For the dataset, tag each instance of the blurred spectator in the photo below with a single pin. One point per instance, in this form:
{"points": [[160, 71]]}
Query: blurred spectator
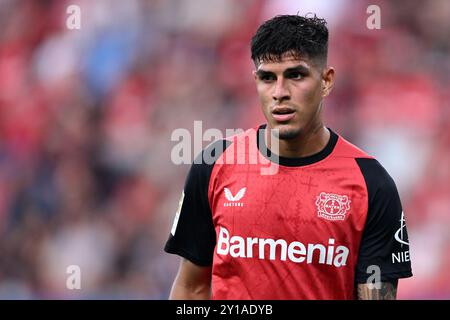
{"points": [[86, 118]]}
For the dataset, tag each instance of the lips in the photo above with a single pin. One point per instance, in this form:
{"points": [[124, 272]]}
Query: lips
{"points": [[283, 114]]}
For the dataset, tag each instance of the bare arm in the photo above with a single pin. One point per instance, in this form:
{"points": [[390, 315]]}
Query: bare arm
{"points": [[192, 282], [387, 291]]}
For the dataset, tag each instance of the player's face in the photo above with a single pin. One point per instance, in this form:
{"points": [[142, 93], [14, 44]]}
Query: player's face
{"points": [[291, 93]]}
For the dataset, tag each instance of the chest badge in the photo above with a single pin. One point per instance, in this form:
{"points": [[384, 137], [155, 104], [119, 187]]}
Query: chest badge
{"points": [[332, 206]]}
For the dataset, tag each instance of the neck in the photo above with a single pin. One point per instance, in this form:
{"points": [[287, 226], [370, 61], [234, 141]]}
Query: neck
{"points": [[310, 141]]}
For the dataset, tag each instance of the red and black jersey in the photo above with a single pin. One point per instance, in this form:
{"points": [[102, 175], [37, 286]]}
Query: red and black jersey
{"points": [[312, 230]]}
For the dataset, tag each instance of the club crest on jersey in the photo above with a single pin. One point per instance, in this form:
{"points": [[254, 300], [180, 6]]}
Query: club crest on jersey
{"points": [[233, 201], [332, 206]]}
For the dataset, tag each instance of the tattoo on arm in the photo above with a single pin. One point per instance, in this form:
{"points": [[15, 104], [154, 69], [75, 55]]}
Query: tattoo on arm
{"points": [[387, 291]]}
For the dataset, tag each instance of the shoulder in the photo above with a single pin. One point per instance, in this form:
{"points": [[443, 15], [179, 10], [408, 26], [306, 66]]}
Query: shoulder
{"points": [[215, 149], [376, 176], [346, 149], [212, 152]]}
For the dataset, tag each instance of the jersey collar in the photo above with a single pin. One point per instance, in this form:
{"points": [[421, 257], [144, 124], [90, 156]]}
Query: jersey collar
{"points": [[301, 161]]}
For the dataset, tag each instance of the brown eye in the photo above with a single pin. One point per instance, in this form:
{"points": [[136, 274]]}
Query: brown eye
{"points": [[295, 75], [267, 77]]}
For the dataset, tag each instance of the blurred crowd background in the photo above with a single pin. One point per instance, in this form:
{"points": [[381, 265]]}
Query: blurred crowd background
{"points": [[86, 118]]}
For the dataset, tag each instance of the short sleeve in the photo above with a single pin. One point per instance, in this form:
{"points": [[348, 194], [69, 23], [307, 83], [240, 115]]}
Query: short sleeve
{"points": [[384, 242], [193, 235]]}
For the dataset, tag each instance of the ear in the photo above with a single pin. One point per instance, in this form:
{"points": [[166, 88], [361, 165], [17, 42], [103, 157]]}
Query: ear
{"points": [[254, 75], [328, 76]]}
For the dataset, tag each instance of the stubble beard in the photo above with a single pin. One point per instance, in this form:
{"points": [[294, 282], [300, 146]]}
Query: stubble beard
{"points": [[287, 134]]}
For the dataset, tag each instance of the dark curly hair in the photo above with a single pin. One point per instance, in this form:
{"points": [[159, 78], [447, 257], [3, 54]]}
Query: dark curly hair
{"points": [[293, 34]]}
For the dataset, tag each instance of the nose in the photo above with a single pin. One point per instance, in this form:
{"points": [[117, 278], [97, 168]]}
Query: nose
{"points": [[280, 92]]}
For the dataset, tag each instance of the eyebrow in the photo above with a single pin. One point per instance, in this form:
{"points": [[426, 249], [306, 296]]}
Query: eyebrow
{"points": [[299, 68], [261, 73]]}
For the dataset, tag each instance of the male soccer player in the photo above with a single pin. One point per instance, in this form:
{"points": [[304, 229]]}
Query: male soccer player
{"points": [[328, 225]]}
